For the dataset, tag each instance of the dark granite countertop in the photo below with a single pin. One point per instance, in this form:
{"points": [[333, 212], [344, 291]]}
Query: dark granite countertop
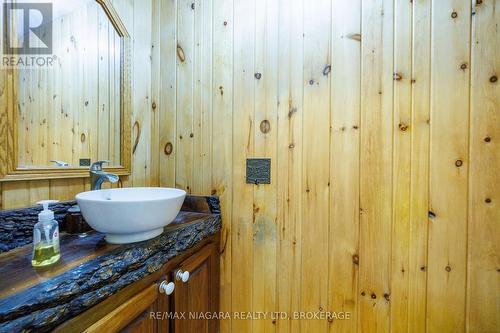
{"points": [[90, 270]]}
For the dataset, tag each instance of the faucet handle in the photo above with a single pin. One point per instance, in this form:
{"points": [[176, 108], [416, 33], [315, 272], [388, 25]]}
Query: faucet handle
{"points": [[60, 163], [97, 166]]}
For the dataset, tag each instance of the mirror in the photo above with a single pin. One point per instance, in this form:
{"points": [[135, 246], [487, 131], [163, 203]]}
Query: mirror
{"points": [[69, 113], [69, 69]]}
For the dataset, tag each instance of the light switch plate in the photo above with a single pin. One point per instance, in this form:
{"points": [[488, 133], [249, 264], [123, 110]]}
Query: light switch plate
{"points": [[85, 162], [258, 171]]}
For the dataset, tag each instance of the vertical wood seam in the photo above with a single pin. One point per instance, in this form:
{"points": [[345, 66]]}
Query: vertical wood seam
{"points": [[469, 162], [360, 140], [431, 104]]}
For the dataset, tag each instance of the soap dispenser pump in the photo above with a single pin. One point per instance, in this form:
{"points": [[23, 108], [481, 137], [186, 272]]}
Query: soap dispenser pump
{"points": [[45, 237]]}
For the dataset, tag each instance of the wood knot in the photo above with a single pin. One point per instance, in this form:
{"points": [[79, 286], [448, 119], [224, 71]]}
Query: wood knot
{"points": [[82, 137], [180, 53], [463, 66], [355, 127], [493, 79], [356, 37], [192, 6], [265, 126], [137, 129], [221, 89], [86, 103], [225, 23], [191, 135], [487, 200], [397, 77], [274, 321], [448, 268], [403, 127], [459, 163], [422, 268], [213, 192], [311, 82], [363, 293], [291, 112], [327, 70], [373, 296], [258, 76], [454, 15], [355, 259], [432, 215], [168, 148], [180, 136], [478, 2], [387, 297], [487, 139], [291, 146], [153, 105]]}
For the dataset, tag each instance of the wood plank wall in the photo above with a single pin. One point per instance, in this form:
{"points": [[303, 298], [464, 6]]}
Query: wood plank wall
{"points": [[384, 133], [384, 128], [133, 14]]}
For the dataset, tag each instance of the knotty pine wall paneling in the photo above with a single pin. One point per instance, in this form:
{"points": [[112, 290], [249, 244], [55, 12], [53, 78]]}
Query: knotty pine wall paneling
{"points": [[483, 294], [419, 166], [289, 161], [221, 181], [243, 208], [381, 119], [449, 163]]}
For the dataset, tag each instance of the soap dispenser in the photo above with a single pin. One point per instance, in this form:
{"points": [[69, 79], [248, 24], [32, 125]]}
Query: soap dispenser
{"points": [[45, 237]]}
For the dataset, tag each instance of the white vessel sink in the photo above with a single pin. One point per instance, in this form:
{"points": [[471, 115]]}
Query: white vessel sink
{"points": [[128, 215]]}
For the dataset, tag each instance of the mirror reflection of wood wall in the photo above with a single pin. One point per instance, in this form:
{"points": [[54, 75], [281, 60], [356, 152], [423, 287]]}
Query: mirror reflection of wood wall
{"points": [[72, 110]]}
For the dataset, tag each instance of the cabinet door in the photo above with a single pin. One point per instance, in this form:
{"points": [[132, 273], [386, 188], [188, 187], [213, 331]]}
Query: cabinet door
{"points": [[132, 316], [197, 297], [154, 318], [142, 324]]}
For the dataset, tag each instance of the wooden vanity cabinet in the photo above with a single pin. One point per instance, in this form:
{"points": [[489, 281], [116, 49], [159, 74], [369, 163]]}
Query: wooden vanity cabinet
{"points": [[194, 299], [142, 308]]}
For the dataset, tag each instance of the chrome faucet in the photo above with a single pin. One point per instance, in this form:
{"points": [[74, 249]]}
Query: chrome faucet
{"points": [[98, 176]]}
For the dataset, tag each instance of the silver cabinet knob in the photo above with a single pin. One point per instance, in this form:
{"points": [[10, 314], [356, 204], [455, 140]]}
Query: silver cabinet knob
{"points": [[167, 287], [182, 276]]}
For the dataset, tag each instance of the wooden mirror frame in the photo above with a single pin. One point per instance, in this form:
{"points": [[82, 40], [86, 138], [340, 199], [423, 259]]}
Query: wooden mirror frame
{"points": [[9, 170]]}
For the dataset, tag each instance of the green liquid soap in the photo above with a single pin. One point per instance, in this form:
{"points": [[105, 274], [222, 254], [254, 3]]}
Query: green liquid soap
{"points": [[45, 238], [45, 254]]}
